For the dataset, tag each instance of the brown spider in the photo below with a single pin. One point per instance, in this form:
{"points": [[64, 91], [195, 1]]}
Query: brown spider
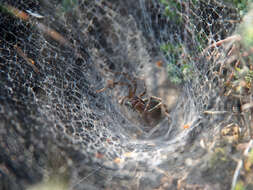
{"points": [[151, 109]]}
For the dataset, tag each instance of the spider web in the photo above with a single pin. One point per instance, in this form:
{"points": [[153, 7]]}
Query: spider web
{"points": [[53, 59]]}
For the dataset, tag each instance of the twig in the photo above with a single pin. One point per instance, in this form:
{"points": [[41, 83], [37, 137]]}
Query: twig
{"points": [[219, 43], [239, 165], [247, 106]]}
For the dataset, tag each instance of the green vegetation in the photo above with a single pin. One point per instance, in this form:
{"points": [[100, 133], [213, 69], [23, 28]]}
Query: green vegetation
{"points": [[246, 31], [201, 40], [172, 10], [69, 5], [172, 53], [243, 77], [244, 74], [241, 5], [219, 156], [248, 35], [239, 186], [250, 158], [178, 68], [174, 74]]}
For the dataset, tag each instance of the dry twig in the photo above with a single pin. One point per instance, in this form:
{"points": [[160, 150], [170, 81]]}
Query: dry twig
{"points": [[240, 164]]}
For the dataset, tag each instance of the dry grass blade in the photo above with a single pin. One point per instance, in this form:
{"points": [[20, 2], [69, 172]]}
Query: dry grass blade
{"points": [[219, 43], [29, 61], [16, 12], [247, 106], [214, 112], [53, 34]]}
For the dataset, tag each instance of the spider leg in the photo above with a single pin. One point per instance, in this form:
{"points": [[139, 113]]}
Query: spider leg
{"points": [[131, 92], [166, 112], [156, 98], [155, 107], [129, 88], [159, 104], [144, 92], [101, 90], [133, 81], [110, 84], [121, 101], [162, 106], [147, 104]]}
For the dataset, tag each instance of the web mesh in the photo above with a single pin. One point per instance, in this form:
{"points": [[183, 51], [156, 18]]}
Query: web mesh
{"points": [[55, 57]]}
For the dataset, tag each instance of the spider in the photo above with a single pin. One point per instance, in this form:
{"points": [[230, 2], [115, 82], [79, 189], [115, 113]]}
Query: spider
{"points": [[151, 109]]}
